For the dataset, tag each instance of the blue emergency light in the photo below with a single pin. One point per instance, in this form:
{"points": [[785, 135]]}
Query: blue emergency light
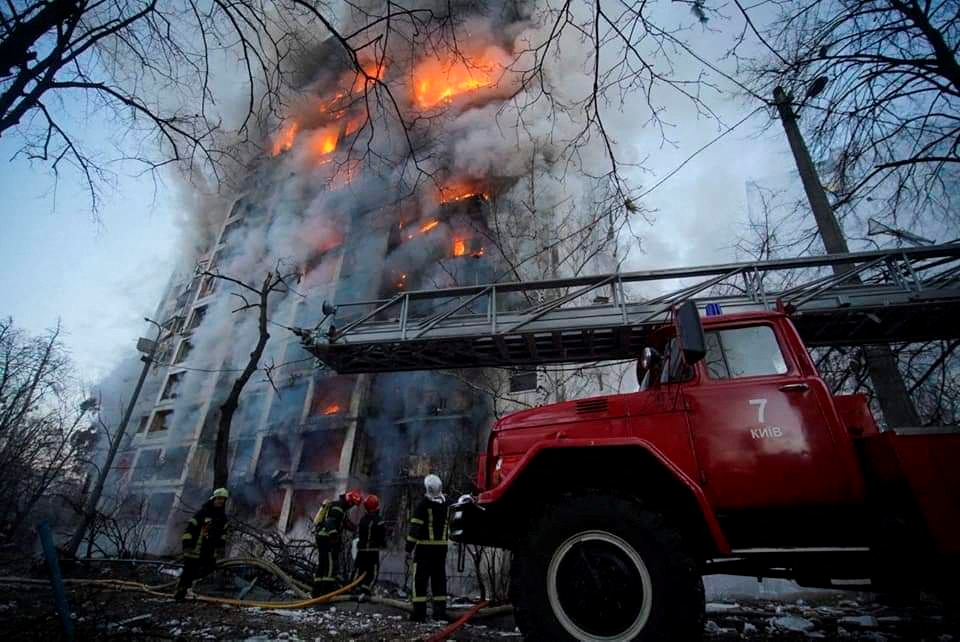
{"points": [[713, 310]]}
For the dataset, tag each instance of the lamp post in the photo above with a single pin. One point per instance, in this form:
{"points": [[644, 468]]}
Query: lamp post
{"points": [[148, 349]]}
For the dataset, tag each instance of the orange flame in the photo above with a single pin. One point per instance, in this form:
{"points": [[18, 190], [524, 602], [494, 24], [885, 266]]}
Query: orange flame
{"points": [[429, 225], [372, 71], [332, 409], [437, 81], [461, 189], [324, 141], [459, 247], [284, 138]]}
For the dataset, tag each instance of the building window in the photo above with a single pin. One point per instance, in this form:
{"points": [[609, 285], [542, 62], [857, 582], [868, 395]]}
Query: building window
{"points": [[172, 462], [142, 424], [183, 351], [158, 507], [173, 383], [523, 379], [207, 286], [197, 317], [162, 420], [146, 466]]}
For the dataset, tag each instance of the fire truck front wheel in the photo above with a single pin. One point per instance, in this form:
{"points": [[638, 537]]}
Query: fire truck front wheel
{"points": [[605, 568]]}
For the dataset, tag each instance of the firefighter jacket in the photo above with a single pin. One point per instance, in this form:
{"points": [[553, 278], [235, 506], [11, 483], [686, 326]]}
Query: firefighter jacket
{"points": [[371, 533], [428, 526], [205, 531], [332, 518]]}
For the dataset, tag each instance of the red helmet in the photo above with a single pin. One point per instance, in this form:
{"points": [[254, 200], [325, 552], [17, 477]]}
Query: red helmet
{"points": [[353, 497], [371, 503]]}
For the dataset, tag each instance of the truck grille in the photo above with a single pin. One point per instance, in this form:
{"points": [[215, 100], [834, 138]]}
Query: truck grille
{"points": [[589, 406]]}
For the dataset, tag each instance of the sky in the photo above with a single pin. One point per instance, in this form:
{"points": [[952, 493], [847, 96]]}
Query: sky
{"points": [[100, 278]]}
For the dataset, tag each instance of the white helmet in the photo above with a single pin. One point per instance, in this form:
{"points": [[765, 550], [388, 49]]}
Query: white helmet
{"points": [[433, 486]]}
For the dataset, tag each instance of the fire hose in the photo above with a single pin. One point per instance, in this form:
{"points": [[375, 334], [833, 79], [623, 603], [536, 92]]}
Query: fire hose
{"points": [[455, 626], [153, 590]]}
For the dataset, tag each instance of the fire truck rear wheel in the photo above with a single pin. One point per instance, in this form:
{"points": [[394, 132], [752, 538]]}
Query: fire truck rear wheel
{"points": [[605, 568]]}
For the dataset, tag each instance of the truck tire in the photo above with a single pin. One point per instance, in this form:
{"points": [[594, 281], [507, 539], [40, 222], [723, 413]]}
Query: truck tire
{"points": [[605, 568]]}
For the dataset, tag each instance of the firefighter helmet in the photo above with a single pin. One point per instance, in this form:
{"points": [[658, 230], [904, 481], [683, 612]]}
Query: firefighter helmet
{"points": [[220, 492], [353, 497], [433, 485], [371, 503]]}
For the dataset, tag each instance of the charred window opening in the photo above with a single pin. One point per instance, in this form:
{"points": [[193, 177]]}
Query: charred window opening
{"points": [[331, 396], [320, 454], [305, 505], [162, 420], [275, 460], [523, 379], [147, 464], [173, 383], [172, 463], [158, 508]]}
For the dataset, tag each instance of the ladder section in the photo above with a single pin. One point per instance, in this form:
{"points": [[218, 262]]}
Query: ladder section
{"points": [[882, 296]]}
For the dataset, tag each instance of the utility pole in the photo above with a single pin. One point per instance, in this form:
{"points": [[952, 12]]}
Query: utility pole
{"points": [[891, 392], [148, 349]]}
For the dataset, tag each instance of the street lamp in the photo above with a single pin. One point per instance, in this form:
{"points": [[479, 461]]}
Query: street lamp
{"points": [[148, 349]]}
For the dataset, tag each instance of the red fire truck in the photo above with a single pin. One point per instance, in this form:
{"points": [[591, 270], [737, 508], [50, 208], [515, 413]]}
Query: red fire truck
{"points": [[733, 456]]}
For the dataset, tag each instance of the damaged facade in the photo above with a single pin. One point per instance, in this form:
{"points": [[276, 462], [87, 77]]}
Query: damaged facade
{"points": [[319, 205]]}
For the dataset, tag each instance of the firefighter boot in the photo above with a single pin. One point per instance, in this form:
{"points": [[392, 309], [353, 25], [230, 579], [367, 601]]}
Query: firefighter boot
{"points": [[419, 613], [440, 611]]}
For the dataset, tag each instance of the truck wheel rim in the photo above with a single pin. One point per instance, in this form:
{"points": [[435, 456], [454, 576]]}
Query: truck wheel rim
{"points": [[599, 587]]}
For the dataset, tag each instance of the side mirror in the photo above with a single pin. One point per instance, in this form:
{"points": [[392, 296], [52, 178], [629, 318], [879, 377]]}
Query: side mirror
{"points": [[686, 320]]}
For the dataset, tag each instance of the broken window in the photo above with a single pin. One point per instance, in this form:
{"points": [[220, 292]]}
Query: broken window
{"points": [[275, 458], [158, 508], [320, 455], [305, 505], [173, 382], [523, 379], [162, 419], [331, 396], [183, 351], [146, 466], [197, 317]]}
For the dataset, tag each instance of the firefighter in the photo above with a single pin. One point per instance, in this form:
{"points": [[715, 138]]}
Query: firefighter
{"points": [[427, 544], [328, 525], [371, 536], [202, 540]]}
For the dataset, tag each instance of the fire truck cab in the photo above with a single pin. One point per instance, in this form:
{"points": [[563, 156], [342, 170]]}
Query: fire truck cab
{"points": [[733, 457]]}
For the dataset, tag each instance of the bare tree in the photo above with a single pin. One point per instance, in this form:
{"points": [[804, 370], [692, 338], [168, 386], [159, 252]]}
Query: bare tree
{"points": [[252, 298], [880, 88], [38, 418]]}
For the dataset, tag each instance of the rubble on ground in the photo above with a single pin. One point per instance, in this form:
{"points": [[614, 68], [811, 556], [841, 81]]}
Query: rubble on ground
{"points": [[100, 612]]}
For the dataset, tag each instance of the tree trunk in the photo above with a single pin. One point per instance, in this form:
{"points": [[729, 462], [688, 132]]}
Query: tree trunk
{"points": [[221, 468]]}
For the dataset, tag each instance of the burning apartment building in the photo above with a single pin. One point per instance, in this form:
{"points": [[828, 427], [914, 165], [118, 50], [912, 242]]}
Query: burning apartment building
{"points": [[402, 174]]}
